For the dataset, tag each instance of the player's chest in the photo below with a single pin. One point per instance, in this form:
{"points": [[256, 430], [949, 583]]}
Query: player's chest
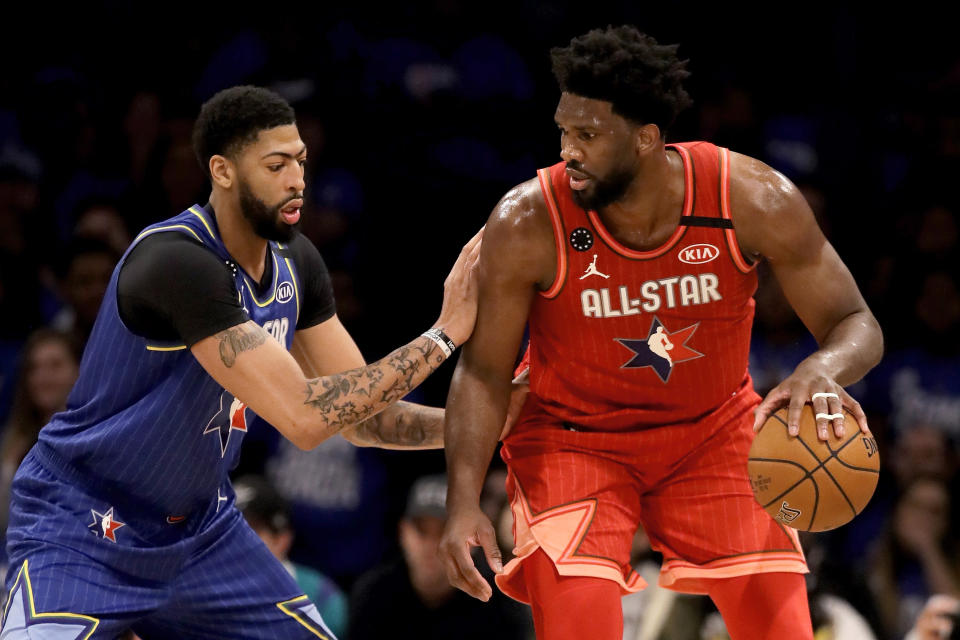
{"points": [[694, 276], [274, 307]]}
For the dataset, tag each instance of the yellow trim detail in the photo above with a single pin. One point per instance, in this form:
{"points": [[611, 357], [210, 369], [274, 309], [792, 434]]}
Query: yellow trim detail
{"points": [[276, 274], [177, 348], [25, 574], [296, 289], [299, 618], [167, 228], [203, 220]]}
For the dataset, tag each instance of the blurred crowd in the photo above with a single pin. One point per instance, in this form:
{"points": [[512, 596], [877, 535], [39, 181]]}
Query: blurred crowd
{"points": [[416, 121]]}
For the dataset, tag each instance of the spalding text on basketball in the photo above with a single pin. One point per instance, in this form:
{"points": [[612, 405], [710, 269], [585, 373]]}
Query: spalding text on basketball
{"points": [[787, 514]]}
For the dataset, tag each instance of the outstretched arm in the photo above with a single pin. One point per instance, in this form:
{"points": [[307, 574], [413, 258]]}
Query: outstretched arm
{"points": [[259, 371], [326, 349], [774, 222], [517, 258]]}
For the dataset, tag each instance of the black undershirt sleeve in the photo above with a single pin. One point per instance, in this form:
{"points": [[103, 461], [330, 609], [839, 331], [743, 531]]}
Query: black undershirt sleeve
{"points": [[317, 301], [172, 288]]}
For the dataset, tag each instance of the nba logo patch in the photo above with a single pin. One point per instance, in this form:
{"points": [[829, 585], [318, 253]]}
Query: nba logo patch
{"points": [[105, 525]]}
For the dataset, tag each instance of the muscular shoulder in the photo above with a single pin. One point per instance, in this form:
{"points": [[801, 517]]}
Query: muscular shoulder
{"points": [[770, 215], [519, 234], [161, 256]]}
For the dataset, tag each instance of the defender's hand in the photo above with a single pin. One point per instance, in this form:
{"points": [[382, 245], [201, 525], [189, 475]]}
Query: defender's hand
{"points": [[459, 311], [828, 398], [465, 530], [519, 391]]}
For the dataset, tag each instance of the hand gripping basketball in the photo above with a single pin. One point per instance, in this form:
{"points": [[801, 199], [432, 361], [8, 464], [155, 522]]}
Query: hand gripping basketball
{"points": [[828, 399], [810, 483]]}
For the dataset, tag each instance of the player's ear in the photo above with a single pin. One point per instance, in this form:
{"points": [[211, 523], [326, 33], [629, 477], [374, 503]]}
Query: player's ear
{"points": [[221, 171], [648, 138]]}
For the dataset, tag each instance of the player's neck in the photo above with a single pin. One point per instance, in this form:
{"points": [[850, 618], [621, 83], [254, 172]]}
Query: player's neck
{"points": [[246, 247], [652, 204]]}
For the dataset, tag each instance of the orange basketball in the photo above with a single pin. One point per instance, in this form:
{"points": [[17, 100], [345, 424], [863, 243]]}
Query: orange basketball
{"points": [[808, 484]]}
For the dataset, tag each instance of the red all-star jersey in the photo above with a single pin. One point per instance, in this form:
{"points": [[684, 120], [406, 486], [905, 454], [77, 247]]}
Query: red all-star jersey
{"points": [[630, 339]]}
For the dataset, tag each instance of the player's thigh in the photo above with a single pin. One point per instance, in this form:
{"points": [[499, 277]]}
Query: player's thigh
{"points": [[235, 588], [706, 522], [56, 592], [579, 506]]}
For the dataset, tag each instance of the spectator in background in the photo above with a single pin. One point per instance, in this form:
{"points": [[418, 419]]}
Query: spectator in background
{"points": [[937, 620], [82, 278], [19, 282], [102, 220], [268, 515], [916, 556], [414, 593], [779, 341], [49, 366]]}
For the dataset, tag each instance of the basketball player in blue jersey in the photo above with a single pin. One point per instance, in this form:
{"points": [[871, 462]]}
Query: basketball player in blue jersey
{"points": [[122, 515]]}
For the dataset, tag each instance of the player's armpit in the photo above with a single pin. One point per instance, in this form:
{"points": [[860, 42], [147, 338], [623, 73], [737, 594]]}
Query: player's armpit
{"points": [[261, 373]]}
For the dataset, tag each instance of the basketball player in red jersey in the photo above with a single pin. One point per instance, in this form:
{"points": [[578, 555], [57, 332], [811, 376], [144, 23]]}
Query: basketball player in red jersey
{"points": [[633, 262]]}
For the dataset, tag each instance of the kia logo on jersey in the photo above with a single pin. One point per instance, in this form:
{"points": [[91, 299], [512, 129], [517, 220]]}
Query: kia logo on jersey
{"points": [[285, 292], [698, 253]]}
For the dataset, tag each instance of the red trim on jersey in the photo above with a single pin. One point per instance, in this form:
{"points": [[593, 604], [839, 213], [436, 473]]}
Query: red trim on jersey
{"points": [[730, 234], [688, 190], [559, 234], [689, 180]]}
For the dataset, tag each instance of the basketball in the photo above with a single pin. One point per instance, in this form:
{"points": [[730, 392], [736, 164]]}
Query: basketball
{"points": [[809, 484]]}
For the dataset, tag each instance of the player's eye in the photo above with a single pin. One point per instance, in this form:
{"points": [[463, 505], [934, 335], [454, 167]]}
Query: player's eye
{"points": [[586, 135], [275, 167]]}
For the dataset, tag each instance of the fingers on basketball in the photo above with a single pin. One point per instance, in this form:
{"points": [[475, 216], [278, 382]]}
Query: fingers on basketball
{"points": [[808, 483]]}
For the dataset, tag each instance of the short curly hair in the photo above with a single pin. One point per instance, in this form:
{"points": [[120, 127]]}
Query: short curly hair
{"points": [[641, 78], [234, 117]]}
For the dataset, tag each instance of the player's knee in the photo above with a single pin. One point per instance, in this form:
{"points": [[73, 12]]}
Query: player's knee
{"points": [[568, 607], [778, 606]]}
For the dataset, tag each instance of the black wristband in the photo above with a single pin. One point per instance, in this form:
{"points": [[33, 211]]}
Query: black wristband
{"points": [[443, 340]]}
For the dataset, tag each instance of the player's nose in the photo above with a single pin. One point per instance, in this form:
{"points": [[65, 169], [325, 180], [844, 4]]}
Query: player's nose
{"points": [[569, 151], [298, 182]]}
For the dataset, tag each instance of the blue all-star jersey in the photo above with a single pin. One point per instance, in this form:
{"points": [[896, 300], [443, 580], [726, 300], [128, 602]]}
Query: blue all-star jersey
{"points": [[146, 429]]}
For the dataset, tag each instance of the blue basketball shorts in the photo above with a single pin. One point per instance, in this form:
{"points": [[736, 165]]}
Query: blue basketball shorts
{"points": [[66, 584]]}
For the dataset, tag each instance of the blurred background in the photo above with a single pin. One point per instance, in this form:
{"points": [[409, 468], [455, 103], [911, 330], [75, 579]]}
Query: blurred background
{"points": [[418, 117]]}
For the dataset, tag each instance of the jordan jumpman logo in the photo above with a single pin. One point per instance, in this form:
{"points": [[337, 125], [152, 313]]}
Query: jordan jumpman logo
{"points": [[592, 270]]}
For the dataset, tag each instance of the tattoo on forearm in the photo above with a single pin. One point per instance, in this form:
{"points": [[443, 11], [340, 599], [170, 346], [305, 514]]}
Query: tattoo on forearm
{"points": [[353, 396], [409, 426], [236, 340]]}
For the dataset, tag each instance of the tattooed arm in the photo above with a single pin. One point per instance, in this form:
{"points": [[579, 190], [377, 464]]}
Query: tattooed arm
{"points": [[404, 425], [257, 370], [328, 348], [308, 410]]}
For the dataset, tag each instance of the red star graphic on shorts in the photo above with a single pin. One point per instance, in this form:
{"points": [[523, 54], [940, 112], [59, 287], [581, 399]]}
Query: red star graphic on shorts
{"points": [[105, 525]]}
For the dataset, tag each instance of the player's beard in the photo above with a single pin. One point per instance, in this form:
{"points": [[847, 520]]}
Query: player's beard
{"points": [[265, 219], [604, 191]]}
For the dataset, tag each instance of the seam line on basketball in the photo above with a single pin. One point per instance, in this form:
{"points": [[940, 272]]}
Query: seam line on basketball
{"points": [[816, 487], [840, 489], [822, 465]]}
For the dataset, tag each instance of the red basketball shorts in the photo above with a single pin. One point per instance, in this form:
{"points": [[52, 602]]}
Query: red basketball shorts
{"points": [[580, 496]]}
